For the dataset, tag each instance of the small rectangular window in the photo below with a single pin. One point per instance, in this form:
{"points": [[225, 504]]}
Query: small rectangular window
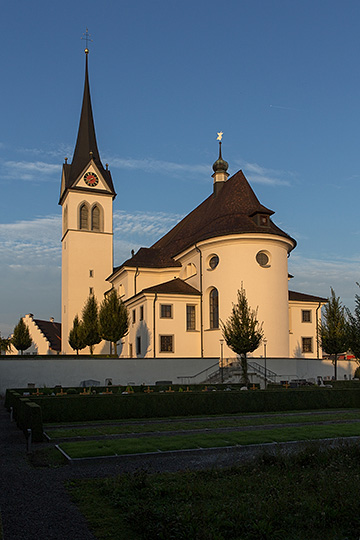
{"points": [[307, 345], [141, 313], [166, 343], [91, 273], [138, 345], [306, 315], [190, 318], [165, 311], [133, 316], [91, 290]]}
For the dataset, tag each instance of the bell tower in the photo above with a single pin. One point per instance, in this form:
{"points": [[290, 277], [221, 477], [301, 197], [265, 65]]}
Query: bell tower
{"points": [[86, 196]]}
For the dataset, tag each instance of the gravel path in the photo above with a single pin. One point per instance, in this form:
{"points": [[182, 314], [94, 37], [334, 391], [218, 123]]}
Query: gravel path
{"points": [[34, 503]]}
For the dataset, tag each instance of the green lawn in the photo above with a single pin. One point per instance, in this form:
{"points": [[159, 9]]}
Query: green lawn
{"points": [[183, 424], [112, 447], [313, 495]]}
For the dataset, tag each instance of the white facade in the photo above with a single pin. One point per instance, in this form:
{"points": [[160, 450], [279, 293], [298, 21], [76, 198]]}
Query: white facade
{"points": [[180, 290], [87, 251]]}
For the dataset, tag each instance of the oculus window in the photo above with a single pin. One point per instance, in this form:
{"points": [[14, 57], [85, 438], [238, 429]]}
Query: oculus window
{"points": [[213, 262], [263, 259]]}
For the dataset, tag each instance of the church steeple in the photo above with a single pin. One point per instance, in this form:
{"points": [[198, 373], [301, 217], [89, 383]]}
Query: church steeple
{"points": [[86, 149], [86, 145]]}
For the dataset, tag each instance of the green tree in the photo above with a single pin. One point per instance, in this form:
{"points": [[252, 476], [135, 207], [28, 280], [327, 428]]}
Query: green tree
{"points": [[333, 329], [90, 323], [76, 335], [5, 344], [21, 338], [354, 327], [242, 331], [113, 319]]}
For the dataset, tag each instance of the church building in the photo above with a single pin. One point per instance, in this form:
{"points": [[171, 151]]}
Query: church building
{"points": [[180, 289]]}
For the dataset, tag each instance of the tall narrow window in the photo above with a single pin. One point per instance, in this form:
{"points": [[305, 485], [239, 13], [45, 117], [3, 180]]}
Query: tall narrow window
{"points": [[214, 308], [84, 217], [190, 318], [95, 219], [138, 346]]}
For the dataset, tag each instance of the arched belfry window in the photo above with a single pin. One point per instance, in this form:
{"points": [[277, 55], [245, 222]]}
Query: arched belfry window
{"points": [[84, 217], [95, 218], [214, 308]]}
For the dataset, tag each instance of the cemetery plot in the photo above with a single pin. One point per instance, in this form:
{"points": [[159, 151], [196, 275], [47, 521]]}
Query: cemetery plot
{"points": [[208, 433]]}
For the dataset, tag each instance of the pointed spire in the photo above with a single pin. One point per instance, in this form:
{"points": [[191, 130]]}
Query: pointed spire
{"points": [[86, 149], [86, 146]]}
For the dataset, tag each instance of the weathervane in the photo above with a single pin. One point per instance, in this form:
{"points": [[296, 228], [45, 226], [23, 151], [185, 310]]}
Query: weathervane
{"points": [[219, 136], [86, 37]]}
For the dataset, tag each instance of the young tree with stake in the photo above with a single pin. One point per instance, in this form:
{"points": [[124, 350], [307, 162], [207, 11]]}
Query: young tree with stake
{"points": [[242, 331]]}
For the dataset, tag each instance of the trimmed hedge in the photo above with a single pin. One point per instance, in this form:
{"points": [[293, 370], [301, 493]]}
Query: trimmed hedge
{"points": [[31, 411], [96, 407]]}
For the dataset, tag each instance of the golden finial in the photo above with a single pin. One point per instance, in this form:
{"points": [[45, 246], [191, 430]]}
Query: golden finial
{"points": [[219, 136]]}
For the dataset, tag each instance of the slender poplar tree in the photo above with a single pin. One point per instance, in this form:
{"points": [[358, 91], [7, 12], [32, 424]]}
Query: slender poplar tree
{"points": [[113, 319], [76, 335], [354, 327], [90, 323], [333, 329]]}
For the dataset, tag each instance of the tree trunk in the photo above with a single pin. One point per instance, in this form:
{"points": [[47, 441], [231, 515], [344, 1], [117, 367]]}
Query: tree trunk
{"points": [[244, 370], [335, 366]]}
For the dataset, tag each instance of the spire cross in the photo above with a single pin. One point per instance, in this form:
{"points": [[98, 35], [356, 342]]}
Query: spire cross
{"points": [[87, 39]]}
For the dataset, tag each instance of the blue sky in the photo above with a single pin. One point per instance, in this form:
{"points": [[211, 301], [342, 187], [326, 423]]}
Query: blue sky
{"points": [[280, 78]]}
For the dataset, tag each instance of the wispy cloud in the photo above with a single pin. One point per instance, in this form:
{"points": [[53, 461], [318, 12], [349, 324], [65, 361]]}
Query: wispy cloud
{"points": [[284, 108], [261, 175], [31, 170], [158, 166], [145, 224], [316, 276]]}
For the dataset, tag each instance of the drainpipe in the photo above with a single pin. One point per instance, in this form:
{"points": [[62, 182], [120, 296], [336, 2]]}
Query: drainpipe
{"points": [[201, 303], [154, 325], [317, 331], [136, 275]]}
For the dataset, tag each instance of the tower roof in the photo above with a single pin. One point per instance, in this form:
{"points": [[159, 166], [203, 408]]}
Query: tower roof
{"points": [[86, 148]]}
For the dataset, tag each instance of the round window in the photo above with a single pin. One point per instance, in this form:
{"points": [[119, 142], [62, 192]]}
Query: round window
{"points": [[263, 259], [213, 261]]}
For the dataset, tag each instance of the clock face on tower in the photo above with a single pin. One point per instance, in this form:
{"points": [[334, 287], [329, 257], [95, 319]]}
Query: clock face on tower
{"points": [[91, 179]]}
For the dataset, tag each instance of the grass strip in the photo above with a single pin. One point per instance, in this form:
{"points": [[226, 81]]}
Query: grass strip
{"points": [[133, 445], [311, 495], [212, 424]]}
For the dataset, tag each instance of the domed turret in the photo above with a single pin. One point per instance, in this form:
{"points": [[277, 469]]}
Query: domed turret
{"points": [[220, 168]]}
